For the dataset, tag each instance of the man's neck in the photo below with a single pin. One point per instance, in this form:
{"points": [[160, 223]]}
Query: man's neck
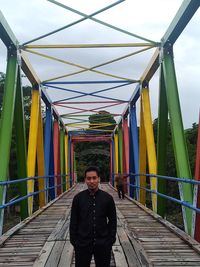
{"points": [[92, 192]]}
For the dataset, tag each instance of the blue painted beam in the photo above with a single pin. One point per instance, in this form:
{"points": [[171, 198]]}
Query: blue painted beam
{"points": [[82, 94], [48, 152], [134, 151]]}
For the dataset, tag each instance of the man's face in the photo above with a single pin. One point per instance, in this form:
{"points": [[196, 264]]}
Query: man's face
{"points": [[92, 180]]}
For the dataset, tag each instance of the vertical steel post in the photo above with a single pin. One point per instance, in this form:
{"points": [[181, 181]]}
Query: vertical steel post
{"points": [[113, 162], [178, 137], [142, 156], [7, 123], [70, 161], [21, 145], [67, 162], [32, 145], [48, 153], [197, 177], [52, 191], [134, 151], [56, 149], [120, 148], [125, 151], [116, 154], [62, 158], [150, 143], [162, 143], [40, 158], [75, 170]]}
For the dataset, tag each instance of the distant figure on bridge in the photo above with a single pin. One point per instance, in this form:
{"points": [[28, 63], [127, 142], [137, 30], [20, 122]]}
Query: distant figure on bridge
{"points": [[93, 223], [119, 179]]}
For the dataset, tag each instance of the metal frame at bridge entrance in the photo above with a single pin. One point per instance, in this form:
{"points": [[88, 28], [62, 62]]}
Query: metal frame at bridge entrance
{"points": [[52, 148]]}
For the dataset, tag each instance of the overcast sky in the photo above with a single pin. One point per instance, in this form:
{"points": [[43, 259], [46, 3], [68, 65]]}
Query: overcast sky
{"points": [[146, 18]]}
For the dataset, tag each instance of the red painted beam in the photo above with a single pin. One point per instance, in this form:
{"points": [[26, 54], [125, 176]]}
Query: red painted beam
{"points": [[91, 140], [125, 149], [56, 150]]}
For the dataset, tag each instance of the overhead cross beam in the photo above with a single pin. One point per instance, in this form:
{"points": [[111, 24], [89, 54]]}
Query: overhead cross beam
{"points": [[11, 42], [178, 24]]}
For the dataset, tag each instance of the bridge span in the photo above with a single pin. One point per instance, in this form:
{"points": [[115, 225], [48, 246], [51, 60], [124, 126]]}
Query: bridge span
{"points": [[143, 237]]}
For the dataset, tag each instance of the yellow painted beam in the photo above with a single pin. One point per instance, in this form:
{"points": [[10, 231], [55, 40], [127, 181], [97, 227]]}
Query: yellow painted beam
{"points": [[32, 146], [142, 156], [28, 69], [83, 69], [40, 158], [90, 45], [67, 162], [150, 143]]}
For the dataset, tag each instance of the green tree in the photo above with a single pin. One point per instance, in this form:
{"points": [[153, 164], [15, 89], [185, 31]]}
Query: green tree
{"points": [[102, 117], [96, 153], [174, 213]]}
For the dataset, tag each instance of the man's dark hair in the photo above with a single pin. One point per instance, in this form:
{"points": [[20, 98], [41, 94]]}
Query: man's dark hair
{"points": [[93, 169]]}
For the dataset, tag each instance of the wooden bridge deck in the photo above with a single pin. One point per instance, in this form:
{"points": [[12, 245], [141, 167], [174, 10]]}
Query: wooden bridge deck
{"points": [[143, 238]]}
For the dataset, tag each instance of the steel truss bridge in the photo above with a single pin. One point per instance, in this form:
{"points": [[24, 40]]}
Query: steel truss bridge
{"points": [[47, 165]]}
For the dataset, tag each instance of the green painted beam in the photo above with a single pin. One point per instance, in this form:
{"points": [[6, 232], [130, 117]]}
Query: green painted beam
{"points": [[21, 145], [7, 116], [6, 33], [180, 21], [178, 137], [162, 144], [120, 149]]}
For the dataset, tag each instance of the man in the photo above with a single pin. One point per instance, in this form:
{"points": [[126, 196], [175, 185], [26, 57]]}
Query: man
{"points": [[93, 223], [119, 179]]}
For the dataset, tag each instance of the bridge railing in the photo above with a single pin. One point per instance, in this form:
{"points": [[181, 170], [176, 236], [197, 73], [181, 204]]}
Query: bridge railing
{"points": [[134, 190], [175, 179], [47, 189]]}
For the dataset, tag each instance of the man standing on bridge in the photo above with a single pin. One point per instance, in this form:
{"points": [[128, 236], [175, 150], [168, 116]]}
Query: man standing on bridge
{"points": [[93, 223]]}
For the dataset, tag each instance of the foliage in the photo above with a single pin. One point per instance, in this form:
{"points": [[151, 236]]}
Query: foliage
{"points": [[191, 139], [174, 213], [87, 154], [95, 153], [103, 117]]}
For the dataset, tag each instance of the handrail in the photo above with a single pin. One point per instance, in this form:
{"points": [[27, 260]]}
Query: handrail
{"points": [[185, 180], [31, 178], [10, 203], [174, 179], [184, 203]]}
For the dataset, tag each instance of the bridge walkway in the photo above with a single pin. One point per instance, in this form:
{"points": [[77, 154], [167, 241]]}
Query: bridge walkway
{"points": [[143, 238]]}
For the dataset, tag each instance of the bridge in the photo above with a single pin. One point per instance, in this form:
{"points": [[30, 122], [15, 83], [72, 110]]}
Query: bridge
{"points": [[143, 237], [65, 112]]}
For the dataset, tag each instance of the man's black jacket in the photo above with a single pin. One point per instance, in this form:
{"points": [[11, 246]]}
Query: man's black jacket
{"points": [[93, 219]]}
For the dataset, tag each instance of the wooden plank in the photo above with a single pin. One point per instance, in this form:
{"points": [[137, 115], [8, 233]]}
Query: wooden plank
{"points": [[139, 250], [19, 226], [131, 256], [55, 255], [120, 259], [60, 231], [191, 242], [44, 254], [66, 256]]}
